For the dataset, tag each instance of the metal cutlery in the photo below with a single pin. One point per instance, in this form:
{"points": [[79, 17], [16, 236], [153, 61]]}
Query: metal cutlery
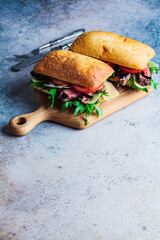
{"points": [[29, 61], [51, 43]]}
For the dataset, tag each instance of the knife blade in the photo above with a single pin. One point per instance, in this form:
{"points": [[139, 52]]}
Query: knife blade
{"points": [[29, 61]]}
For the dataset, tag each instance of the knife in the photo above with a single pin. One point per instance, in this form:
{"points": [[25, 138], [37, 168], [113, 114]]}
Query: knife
{"points": [[29, 61], [52, 43]]}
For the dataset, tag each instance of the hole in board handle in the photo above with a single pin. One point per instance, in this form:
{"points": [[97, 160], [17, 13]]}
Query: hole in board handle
{"points": [[20, 121]]}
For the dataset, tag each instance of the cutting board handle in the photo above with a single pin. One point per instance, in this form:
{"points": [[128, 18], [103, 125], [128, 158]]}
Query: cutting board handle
{"points": [[23, 124]]}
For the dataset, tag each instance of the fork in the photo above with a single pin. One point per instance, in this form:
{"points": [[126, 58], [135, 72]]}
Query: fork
{"points": [[51, 43], [29, 61]]}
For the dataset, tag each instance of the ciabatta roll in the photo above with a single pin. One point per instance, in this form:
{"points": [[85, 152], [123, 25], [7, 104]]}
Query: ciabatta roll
{"points": [[74, 68], [113, 48]]}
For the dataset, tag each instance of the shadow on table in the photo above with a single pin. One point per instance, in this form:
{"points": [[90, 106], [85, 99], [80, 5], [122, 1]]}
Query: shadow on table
{"points": [[5, 130], [19, 99]]}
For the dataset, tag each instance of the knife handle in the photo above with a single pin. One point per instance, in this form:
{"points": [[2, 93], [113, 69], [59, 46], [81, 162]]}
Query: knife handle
{"points": [[68, 36]]}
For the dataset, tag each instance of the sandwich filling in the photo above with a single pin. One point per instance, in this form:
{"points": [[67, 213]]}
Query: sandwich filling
{"points": [[65, 90], [84, 99], [138, 79]]}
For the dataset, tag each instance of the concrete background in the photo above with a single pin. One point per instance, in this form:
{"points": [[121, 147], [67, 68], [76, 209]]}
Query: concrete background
{"points": [[102, 183]]}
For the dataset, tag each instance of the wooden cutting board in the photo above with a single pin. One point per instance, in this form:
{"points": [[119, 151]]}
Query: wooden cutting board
{"points": [[23, 124]]}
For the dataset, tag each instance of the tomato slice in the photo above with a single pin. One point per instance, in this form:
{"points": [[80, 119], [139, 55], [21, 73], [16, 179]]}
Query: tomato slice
{"points": [[59, 82], [147, 72], [86, 90], [130, 70], [110, 64]]}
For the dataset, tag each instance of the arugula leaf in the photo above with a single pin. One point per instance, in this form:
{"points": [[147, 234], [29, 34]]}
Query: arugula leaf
{"points": [[145, 89], [87, 114], [32, 84], [52, 91], [103, 92], [79, 107], [112, 76], [153, 67], [65, 105], [67, 45], [98, 101], [98, 110], [90, 107], [52, 96], [29, 82], [37, 84], [154, 84], [154, 70]]}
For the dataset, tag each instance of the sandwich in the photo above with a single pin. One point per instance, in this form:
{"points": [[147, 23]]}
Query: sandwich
{"points": [[75, 80], [129, 58]]}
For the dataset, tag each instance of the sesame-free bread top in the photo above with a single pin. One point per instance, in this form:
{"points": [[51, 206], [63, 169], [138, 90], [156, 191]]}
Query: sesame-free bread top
{"points": [[113, 48], [74, 68]]}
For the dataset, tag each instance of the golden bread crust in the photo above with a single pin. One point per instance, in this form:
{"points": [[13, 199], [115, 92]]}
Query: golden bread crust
{"points": [[74, 68], [114, 48]]}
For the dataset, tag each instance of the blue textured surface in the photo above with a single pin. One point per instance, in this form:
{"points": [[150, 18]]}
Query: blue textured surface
{"points": [[59, 183]]}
